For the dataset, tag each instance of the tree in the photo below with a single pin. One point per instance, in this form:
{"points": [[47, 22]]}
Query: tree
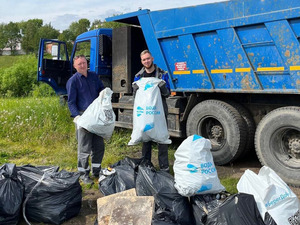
{"points": [[99, 24], [96, 24], [47, 31], [67, 37], [12, 32], [3, 38], [106, 24], [33, 31], [79, 27], [74, 30]]}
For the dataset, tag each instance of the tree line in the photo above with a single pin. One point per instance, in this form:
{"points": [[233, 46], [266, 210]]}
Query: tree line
{"points": [[29, 33]]}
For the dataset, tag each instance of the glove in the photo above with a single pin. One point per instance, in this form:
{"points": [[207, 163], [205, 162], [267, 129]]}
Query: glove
{"points": [[135, 87], [163, 89], [161, 84], [76, 118]]}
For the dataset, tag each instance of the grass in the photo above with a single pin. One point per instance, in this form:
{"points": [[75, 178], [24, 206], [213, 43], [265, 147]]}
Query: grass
{"points": [[39, 131], [7, 60]]}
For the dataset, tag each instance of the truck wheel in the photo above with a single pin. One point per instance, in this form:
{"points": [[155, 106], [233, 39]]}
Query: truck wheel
{"points": [[250, 127], [277, 143], [221, 123]]}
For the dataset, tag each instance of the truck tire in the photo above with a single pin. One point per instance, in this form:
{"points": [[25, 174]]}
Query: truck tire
{"points": [[277, 143], [222, 124], [250, 127]]}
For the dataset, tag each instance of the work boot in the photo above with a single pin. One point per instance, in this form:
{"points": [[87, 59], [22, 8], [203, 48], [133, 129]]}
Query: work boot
{"points": [[85, 178], [167, 169], [95, 172]]}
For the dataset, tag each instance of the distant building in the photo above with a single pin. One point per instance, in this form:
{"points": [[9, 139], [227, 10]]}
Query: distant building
{"points": [[19, 51]]}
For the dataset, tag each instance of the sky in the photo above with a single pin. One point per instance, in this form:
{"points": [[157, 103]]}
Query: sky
{"points": [[61, 13]]}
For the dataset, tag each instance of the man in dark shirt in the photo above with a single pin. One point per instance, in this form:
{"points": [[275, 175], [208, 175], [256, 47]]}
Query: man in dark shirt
{"points": [[152, 70], [83, 88]]}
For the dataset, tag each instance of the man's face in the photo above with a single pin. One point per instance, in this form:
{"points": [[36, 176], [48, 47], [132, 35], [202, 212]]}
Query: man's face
{"points": [[147, 60], [80, 65]]}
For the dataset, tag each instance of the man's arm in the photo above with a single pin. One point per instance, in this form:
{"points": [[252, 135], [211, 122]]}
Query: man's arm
{"points": [[164, 85], [72, 98], [135, 87]]}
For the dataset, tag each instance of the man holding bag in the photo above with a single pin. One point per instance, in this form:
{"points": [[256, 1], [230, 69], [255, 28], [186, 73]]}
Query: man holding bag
{"points": [[151, 70], [83, 88]]}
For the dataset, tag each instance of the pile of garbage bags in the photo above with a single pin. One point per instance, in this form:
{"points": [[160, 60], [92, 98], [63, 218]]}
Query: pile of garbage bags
{"points": [[201, 199], [42, 194]]}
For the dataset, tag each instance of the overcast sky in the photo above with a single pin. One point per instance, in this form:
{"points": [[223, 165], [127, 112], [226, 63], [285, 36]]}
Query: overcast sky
{"points": [[61, 13]]}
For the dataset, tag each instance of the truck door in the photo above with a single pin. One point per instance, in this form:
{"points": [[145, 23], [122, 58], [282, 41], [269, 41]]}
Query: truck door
{"points": [[54, 67]]}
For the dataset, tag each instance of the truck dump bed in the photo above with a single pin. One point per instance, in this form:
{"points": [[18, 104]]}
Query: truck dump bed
{"points": [[234, 46]]}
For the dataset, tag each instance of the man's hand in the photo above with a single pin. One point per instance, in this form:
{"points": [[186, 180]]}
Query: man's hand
{"points": [[162, 84], [135, 87], [163, 89], [76, 118]]}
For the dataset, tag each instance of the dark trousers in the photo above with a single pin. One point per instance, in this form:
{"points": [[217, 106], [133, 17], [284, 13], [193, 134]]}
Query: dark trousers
{"points": [[162, 154], [89, 145]]}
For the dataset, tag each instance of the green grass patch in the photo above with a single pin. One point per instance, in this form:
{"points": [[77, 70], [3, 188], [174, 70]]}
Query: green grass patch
{"points": [[8, 60], [230, 184]]}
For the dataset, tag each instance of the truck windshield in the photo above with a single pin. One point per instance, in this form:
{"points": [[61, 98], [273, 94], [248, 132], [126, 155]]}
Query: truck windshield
{"points": [[83, 48]]}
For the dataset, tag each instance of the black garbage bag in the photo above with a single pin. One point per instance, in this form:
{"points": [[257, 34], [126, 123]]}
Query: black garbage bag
{"points": [[132, 162], [203, 204], [159, 222], [11, 195], [170, 206], [50, 196], [238, 209], [123, 179], [269, 220]]}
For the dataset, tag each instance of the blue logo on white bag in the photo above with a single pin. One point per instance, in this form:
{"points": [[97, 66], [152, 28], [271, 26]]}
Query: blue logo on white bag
{"points": [[148, 126], [152, 110], [277, 199], [147, 86], [207, 168], [205, 188], [139, 111], [196, 137], [192, 168]]}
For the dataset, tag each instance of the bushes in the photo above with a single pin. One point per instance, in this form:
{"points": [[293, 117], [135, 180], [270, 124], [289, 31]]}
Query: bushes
{"points": [[20, 79], [42, 90]]}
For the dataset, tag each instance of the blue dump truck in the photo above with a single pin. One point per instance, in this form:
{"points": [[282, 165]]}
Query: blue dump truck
{"points": [[234, 70]]}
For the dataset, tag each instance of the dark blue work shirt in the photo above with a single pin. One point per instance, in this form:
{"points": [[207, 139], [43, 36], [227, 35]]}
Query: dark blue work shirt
{"points": [[82, 91]]}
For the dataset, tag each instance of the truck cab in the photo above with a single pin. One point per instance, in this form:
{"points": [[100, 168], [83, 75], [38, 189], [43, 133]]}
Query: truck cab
{"points": [[55, 67]]}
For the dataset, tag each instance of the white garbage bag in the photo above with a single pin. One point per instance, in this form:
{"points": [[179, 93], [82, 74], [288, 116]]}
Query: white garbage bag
{"points": [[272, 195], [149, 123], [99, 118], [194, 168]]}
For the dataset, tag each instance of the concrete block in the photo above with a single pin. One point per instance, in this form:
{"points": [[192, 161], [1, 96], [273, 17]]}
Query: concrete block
{"points": [[132, 210], [106, 204]]}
